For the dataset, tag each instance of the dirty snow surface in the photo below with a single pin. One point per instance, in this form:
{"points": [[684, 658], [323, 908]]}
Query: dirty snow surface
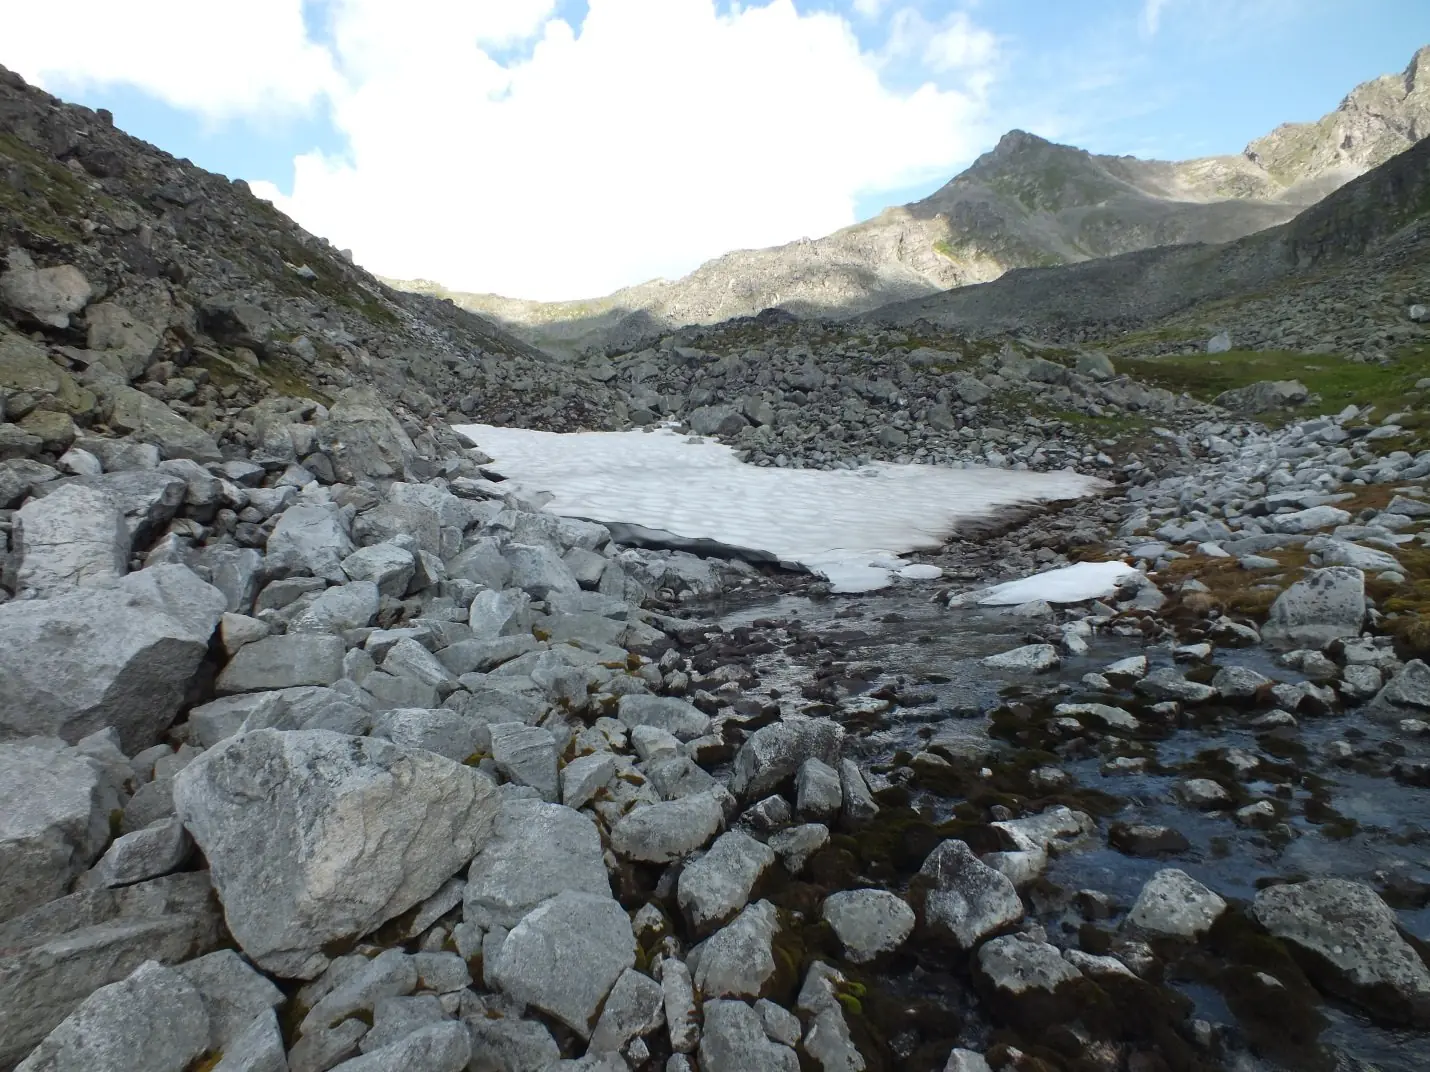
{"points": [[848, 525], [1071, 584]]}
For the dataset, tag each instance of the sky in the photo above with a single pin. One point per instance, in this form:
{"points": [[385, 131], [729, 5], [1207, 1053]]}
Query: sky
{"points": [[555, 149]]}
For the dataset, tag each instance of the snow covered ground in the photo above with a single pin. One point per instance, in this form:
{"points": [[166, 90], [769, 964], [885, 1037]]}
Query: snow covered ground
{"points": [[849, 525], [1071, 584]]}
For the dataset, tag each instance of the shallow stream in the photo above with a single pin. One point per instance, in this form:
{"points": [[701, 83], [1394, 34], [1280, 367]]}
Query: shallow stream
{"points": [[849, 657]]}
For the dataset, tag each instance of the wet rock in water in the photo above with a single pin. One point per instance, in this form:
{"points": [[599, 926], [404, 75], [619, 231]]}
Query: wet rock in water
{"points": [[775, 752], [1326, 605], [1026, 979], [153, 1020], [1168, 684], [1029, 659], [1239, 682], [1111, 717], [314, 836], [565, 956], [536, 851], [818, 792], [1147, 839], [1406, 695], [966, 1061], [858, 804], [869, 923], [1172, 904], [1202, 794], [1349, 942], [738, 960], [660, 833], [713, 888], [964, 897], [734, 1038], [798, 843]]}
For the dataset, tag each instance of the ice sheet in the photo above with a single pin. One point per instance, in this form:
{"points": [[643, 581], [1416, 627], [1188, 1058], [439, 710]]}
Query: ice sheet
{"points": [[849, 525], [1071, 584]]}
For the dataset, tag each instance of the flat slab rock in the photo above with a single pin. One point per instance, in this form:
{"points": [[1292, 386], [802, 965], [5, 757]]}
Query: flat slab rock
{"points": [[1353, 941], [119, 656], [536, 851], [313, 835], [565, 956]]}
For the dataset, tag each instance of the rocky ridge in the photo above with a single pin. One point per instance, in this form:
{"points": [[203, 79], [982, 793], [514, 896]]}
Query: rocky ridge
{"points": [[1026, 203]]}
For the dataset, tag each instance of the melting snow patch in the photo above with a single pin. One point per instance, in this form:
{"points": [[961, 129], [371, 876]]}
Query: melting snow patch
{"points": [[849, 525], [1071, 584]]}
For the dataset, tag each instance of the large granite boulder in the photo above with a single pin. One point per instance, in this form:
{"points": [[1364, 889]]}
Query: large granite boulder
{"points": [[150, 421], [120, 656], [55, 809], [314, 836], [363, 439], [1326, 605], [74, 537]]}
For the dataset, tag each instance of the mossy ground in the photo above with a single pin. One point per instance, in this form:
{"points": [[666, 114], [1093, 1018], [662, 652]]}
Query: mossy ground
{"points": [[1337, 381]]}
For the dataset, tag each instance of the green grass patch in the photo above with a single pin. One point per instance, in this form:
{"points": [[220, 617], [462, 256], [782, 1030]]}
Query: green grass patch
{"points": [[1335, 380]]}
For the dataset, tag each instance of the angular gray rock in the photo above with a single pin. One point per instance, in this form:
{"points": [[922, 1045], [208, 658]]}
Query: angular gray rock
{"points": [[121, 656], [388, 565], [1017, 966], [148, 420], [1029, 659], [1172, 904], [1325, 605], [818, 790], [153, 1021], [439, 730], [314, 836], [584, 777], [309, 539], [1406, 695], [55, 809], [143, 854], [775, 752], [1353, 944], [684, 721], [283, 662], [713, 888], [734, 1038], [363, 439], [660, 833], [234, 995], [539, 571], [527, 755], [536, 851], [738, 960], [258, 1048], [565, 956], [49, 296], [964, 897], [869, 923], [72, 538], [444, 1047], [635, 1008], [54, 956], [496, 614]]}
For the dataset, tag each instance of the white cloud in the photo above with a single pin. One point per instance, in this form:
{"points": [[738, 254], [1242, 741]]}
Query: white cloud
{"points": [[1152, 16], [663, 134], [219, 60], [870, 9], [659, 135]]}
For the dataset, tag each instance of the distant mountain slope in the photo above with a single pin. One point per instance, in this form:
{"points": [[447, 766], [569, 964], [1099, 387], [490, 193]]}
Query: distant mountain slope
{"points": [[1385, 213], [1027, 203]]}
